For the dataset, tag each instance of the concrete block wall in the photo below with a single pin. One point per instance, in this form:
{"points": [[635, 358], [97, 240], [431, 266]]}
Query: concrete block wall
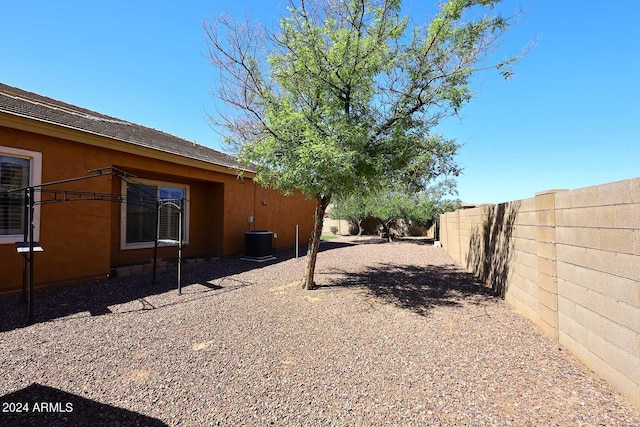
{"points": [[547, 266], [341, 224], [598, 262], [570, 262], [521, 288]]}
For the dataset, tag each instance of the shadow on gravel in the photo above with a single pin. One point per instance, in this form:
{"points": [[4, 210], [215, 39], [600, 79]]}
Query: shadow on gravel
{"points": [[96, 297], [374, 240], [416, 288], [38, 405], [423, 241]]}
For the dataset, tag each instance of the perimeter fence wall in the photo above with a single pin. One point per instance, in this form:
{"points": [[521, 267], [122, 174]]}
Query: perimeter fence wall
{"points": [[570, 262]]}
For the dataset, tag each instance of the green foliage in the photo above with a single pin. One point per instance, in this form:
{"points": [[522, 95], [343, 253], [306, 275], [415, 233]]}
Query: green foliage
{"points": [[344, 93], [394, 203], [354, 207]]}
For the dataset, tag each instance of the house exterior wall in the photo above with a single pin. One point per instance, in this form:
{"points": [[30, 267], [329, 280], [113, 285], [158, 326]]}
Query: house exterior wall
{"points": [[81, 222], [570, 262], [81, 239]]}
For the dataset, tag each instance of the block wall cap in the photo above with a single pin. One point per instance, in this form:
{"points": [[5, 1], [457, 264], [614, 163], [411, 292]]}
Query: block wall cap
{"points": [[559, 190]]}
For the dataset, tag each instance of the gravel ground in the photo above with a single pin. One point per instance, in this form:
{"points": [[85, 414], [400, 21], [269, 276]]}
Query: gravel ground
{"points": [[396, 335]]}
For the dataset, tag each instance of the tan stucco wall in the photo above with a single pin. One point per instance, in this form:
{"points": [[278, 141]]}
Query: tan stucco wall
{"points": [[570, 262], [82, 239], [84, 223]]}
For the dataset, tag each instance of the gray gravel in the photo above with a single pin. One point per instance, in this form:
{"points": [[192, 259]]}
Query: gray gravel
{"points": [[396, 334]]}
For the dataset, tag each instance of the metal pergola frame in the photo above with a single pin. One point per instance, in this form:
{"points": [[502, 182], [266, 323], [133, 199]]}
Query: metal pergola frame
{"points": [[29, 247], [175, 204]]}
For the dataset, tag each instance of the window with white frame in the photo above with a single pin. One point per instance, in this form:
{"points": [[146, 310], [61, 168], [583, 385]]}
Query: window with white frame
{"points": [[18, 169], [139, 213]]}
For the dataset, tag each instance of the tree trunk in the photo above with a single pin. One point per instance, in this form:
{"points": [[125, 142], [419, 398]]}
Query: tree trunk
{"points": [[386, 230], [389, 236], [314, 242], [360, 229]]}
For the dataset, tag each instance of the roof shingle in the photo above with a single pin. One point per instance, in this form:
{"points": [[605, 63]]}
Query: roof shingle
{"points": [[19, 102]]}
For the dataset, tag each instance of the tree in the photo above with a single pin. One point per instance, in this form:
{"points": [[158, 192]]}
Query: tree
{"points": [[353, 208], [345, 92], [395, 203]]}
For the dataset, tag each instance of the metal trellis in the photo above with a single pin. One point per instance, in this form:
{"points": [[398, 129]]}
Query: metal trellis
{"points": [[29, 246]]}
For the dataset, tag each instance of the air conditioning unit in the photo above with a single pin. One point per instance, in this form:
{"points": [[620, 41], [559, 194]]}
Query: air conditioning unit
{"points": [[258, 246]]}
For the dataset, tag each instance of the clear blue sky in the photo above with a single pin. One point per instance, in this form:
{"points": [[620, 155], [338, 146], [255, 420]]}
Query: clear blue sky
{"points": [[568, 119]]}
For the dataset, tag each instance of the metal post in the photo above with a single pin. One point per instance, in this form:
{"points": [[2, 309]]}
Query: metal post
{"points": [[180, 210], [26, 236], [155, 244], [31, 257], [297, 245]]}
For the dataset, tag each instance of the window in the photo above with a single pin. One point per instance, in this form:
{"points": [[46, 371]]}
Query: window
{"points": [[139, 213], [18, 169], [169, 215]]}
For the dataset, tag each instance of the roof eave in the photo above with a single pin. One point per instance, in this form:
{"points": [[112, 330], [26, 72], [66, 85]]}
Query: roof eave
{"points": [[44, 127]]}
